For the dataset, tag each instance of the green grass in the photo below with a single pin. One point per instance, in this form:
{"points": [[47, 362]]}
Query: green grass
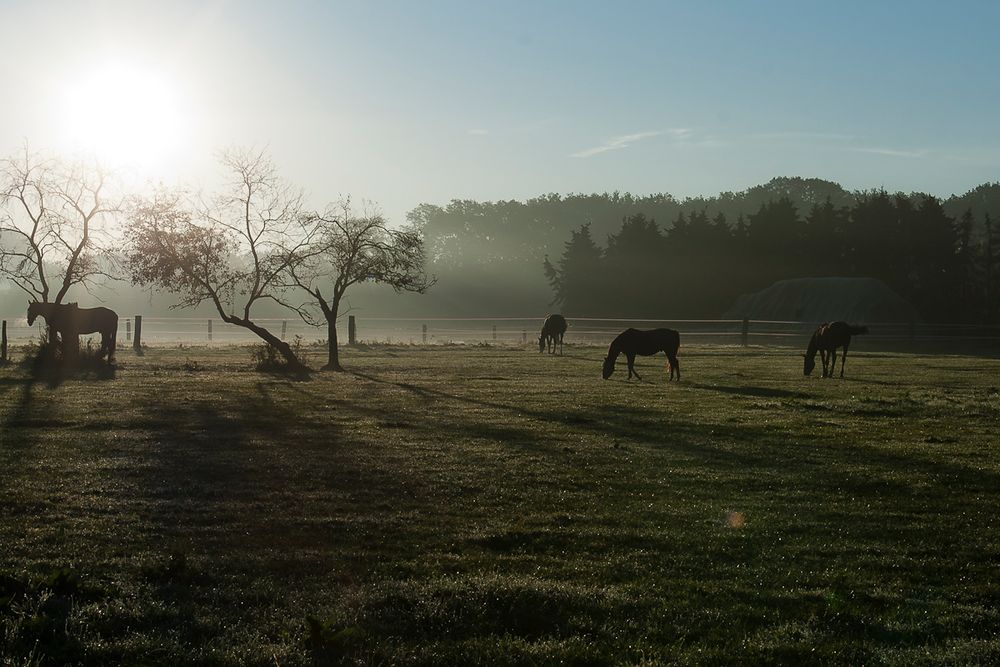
{"points": [[492, 505]]}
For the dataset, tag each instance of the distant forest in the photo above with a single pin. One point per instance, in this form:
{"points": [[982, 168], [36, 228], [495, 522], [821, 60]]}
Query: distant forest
{"points": [[618, 255]]}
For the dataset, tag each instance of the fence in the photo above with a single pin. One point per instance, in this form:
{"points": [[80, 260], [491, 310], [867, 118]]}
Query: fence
{"points": [[505, 330]]}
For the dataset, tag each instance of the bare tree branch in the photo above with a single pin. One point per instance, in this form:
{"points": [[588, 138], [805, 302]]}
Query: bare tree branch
{"points": [[339, 248]]}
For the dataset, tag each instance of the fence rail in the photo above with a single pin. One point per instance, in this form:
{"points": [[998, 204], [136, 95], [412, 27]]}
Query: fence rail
{"points": [[504, 330]]}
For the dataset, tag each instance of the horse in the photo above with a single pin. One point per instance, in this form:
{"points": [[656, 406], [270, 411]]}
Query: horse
{"points": [[69, 321], [552, 332], [632, 342], [827, 338]]}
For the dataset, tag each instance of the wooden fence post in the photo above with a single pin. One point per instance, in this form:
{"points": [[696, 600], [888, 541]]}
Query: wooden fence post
{"points": [[210, 330], [284, 328], [3, 343], [746, 332], [494, 333], [128, 329], [352, 330], [524, 336], [424, 329], [137, 340]]}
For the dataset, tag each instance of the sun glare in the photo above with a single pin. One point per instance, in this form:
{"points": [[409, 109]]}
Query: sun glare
{"points": [[123, 114]]}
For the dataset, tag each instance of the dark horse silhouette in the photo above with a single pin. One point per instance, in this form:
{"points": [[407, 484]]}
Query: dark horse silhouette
{"points": [[828, 337], [632, 342], [552, 332], [69, 321]]}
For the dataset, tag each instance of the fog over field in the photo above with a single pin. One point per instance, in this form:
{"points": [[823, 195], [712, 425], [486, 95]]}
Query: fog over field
{"points": [[499, 333]]}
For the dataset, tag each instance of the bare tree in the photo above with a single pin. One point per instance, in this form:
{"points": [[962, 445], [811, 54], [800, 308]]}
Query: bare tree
{"points": [[339, 248], [232, 251], [55, 223]]}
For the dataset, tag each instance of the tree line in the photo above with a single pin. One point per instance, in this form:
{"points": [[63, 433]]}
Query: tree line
{"points": [[947, 268], [616, 254], [65, 226]]}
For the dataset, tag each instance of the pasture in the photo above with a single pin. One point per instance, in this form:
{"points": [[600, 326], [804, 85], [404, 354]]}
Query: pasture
{"points": [[493, 505]]}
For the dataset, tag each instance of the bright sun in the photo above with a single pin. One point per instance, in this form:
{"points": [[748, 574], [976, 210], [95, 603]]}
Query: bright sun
{"points": [[124, 115]]}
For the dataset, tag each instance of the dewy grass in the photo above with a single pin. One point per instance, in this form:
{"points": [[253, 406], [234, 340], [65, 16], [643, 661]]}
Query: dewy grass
{"points": [[497, 506]]}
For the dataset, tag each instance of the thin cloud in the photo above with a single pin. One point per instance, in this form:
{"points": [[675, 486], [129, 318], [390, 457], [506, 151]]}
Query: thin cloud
{"points": [[616, 143], [797, 135], [478, 132], [892, 152]]}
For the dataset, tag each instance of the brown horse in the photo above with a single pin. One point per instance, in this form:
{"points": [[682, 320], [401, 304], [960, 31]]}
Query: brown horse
{"points": [[552, 332], [632, 342], [69, 321], [828, 337]]}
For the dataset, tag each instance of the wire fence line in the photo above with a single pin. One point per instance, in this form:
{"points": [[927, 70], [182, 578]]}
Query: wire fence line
{"points": [[507, 330]]}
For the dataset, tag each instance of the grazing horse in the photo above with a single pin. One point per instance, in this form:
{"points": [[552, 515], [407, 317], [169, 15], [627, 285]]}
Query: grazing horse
{"points": [[828, 337], [552, 333], [69, 321], [632, 342]]}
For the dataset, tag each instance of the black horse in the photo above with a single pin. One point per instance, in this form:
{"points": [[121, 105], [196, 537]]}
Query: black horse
{"points": [[632, 342], [69, 321], [552, 333], [827, 338]]}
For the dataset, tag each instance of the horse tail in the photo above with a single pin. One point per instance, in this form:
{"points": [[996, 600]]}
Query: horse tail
{"points": [[854, 331], [114, 340]]}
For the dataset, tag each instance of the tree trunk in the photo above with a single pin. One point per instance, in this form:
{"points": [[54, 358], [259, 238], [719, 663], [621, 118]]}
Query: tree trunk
{"points": [[333, 358], [281, 346]]}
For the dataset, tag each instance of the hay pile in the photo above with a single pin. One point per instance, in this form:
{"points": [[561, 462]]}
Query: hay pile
{"points": [[856, 300]]}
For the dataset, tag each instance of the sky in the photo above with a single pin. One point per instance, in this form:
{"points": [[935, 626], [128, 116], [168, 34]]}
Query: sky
{"points": [[406, 102]]}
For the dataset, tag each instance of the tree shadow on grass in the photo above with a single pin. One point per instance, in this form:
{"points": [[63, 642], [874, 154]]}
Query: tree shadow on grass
{"points": [[737, 448], [760, 392], [246, 469]]}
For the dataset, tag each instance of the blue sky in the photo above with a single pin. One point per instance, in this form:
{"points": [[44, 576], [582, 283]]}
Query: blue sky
{"points": [[405, 102]]}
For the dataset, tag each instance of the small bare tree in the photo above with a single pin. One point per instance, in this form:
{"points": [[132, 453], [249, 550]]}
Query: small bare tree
{"points": [[338, 249], [55, 224], [232, 251]]}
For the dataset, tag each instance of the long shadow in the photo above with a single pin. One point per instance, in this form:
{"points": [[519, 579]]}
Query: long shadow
{"points": [[763, 392], [18, 442], [613, 421], [20, 414], [704, 440], [247, 471]]}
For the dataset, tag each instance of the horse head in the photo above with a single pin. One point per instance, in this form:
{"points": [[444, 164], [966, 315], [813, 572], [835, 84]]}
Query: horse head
{"points": [[34, 310], [609, 367], [809, 365], [541, 343]]}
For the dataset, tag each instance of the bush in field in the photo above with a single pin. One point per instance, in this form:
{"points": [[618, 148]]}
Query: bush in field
{"points": [[268, 359], [46, 354]]}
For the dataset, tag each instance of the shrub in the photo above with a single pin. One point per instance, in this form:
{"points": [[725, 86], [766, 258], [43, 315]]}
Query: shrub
{"points": [[267, 359]]}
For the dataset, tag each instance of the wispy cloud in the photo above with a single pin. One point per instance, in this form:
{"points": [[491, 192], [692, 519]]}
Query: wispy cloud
{"points": [[478, 132], [798, 135], [892, 152], [836, 141], [616, 143]]}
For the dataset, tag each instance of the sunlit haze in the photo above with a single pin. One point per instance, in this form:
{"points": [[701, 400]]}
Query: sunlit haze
{"points": [[401, 102], [125, 115]]}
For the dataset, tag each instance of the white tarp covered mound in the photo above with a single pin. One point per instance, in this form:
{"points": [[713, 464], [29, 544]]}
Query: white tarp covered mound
{"points": [[856, 300]]}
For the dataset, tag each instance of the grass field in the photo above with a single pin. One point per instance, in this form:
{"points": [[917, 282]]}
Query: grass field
{"points": [[484, 505]]}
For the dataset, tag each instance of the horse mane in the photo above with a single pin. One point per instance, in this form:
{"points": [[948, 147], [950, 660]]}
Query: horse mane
{"points": [[813, 345]]}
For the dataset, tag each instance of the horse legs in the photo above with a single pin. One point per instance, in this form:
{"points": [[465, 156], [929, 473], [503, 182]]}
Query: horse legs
{"points": [[560, 344], [822, 357], [833, 361], [631, 367], [674, 366]]}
